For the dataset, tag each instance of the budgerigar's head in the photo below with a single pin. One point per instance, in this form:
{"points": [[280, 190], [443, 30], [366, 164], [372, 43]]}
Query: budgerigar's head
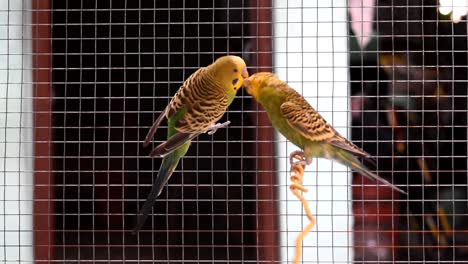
{"points": [[256, 83], [232, 71]]}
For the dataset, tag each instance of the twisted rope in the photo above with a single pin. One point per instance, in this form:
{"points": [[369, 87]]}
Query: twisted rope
{"points": [[297, 189]]}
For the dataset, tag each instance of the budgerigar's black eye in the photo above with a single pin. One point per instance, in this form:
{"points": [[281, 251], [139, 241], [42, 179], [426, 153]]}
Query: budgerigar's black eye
{"points": [[234, 82], [235, 70]]}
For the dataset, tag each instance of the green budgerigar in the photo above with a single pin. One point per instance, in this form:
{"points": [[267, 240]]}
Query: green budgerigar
{"points": [[293, 116], [196, 107]]}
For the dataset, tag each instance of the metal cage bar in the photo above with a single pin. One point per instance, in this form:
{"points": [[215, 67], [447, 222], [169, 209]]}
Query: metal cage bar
{"points": [[43, 177], [261, 30]]}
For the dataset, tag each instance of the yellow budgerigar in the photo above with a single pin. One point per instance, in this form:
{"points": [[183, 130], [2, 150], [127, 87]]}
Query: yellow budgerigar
{"points": [[293, 117], [196, 107]]}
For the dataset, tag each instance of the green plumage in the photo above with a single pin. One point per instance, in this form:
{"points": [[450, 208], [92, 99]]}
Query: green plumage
{"points": [[293, 117], [168, 165], [198, 104]]}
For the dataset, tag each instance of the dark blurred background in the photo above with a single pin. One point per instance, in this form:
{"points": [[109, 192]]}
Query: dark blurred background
{"points": [[409, 92], [116, 66]]}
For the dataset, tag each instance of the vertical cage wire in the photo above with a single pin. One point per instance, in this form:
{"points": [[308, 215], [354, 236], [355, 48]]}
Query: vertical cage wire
{"points": [[82, 81]]}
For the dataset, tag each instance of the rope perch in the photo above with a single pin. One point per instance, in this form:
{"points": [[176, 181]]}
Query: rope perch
{"points": [[297, 169]]}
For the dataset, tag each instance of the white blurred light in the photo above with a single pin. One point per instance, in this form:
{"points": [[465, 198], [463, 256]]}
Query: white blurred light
{"points": [[457, 8], [311, 54]]}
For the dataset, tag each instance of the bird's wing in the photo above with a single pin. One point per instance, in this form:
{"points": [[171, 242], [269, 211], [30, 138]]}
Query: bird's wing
{"points": [[172, 144], [342, 143], [302, 117], [205, 101], [307, 121], [200, 116], [155, 127], [178, 103]]}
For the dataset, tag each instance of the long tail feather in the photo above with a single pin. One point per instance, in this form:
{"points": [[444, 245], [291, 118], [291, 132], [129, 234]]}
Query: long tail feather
{"points": [[168, 165], [344, 144], [351, 161], [153, 128]]}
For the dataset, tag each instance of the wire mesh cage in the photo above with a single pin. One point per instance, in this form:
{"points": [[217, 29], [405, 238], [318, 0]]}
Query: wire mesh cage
{"points": [[83, 81]]}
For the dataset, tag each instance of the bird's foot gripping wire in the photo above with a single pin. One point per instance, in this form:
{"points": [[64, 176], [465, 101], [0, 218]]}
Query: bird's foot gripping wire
{"points": [[217, 126], [300, 156], [297, 170]]}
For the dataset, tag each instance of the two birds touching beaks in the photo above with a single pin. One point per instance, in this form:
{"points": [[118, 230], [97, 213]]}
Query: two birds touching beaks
{"points": [[205, 96]]}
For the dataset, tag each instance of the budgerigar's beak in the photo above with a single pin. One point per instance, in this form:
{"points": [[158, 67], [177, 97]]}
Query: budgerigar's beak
{"points": [[247, 82], [247, 85], [245, 73]]}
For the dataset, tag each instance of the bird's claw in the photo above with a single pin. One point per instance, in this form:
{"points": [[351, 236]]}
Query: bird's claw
{"points": [[300, 156], [217, 126]]}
